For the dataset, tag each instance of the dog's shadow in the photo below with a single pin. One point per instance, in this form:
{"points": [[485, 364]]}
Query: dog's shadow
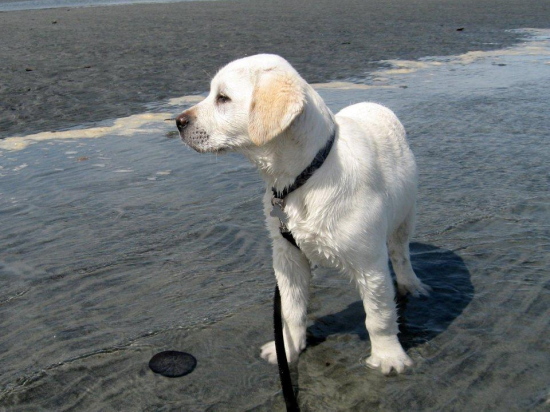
{"points": [[420, 319]]}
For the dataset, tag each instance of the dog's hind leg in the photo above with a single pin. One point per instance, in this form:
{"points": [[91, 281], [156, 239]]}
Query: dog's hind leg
{"points": [[293, 273], [398, 245]]}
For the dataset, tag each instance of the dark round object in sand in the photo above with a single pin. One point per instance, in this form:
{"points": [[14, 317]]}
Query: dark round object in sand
{"points": [[172, 363]]}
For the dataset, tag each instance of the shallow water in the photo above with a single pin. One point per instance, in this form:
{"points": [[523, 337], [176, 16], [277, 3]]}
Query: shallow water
{"points": [[119, 242]]}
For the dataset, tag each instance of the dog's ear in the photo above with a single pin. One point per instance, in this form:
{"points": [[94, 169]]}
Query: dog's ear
{"points": [[276, 101]]}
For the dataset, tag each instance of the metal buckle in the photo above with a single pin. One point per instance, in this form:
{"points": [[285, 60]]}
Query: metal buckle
{"points": [[278, 211]]}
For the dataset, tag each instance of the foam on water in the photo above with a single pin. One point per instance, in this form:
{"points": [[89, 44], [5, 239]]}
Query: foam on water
{"points": [[537, 47]]}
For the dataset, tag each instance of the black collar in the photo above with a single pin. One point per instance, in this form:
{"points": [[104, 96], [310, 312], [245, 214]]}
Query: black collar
{"points": [[303, 177]]}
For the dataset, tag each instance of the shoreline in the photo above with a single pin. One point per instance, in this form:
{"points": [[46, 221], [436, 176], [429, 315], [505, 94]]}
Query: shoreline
{"points": [[65, 67], [25, 5]]}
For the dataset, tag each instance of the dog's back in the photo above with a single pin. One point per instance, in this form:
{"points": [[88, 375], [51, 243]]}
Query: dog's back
{"points": [[386, 159]]}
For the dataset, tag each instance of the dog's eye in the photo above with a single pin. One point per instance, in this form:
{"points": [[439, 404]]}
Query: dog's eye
{"points": [[222, 98]]}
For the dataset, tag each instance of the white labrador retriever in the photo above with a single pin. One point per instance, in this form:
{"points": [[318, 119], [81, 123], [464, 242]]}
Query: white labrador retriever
{"points": [[358, 206]]}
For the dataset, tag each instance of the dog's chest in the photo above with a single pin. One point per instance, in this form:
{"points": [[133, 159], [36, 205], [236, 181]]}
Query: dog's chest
{"points": [[314, 226], [319, 245]]}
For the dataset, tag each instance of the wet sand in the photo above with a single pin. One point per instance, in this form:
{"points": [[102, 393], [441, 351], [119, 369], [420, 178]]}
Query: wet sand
{"points": [[64, 67], [118, 242]]}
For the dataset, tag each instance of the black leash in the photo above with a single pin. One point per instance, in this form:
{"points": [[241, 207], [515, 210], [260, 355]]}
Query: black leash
{"points": [[284, 371], [278, 203]]}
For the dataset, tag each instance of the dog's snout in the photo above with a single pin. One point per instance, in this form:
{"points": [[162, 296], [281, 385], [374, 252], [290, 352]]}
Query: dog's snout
{"points": [[182, 121]]}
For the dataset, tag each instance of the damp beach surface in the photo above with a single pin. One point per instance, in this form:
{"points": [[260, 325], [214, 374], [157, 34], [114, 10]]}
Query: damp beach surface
{"points": [[118, 242]]}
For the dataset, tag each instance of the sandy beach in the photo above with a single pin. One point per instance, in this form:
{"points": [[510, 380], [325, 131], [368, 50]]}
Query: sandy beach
{"points": [[63, 67], [118, 242]]}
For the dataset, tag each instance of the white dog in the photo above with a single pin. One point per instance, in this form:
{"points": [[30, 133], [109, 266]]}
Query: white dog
{"points": [[354, 210]]}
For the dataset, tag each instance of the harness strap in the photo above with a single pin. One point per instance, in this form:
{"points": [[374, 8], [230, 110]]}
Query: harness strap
{"points": [[303, 177], [288, 236], [278, 198]]}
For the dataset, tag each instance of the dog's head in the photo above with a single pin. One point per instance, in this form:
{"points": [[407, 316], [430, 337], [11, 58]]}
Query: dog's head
{"points": [[251, 101]]}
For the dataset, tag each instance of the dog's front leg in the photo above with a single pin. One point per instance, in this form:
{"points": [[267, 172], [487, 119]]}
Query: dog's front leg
{"points": [[376, 288], [293, 273]]}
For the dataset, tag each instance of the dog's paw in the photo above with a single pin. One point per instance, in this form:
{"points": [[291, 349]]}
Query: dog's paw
{"points": [[269, 353], [387, 355], [415, 288], [388, 363]]}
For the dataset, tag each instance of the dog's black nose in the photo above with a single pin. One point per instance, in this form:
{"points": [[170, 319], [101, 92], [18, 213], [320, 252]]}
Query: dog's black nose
{"points": [[182, 121]]}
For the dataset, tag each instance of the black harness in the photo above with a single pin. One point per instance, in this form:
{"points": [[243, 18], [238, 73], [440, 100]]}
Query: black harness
{"points": [[278, 198], [278, 203]]}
